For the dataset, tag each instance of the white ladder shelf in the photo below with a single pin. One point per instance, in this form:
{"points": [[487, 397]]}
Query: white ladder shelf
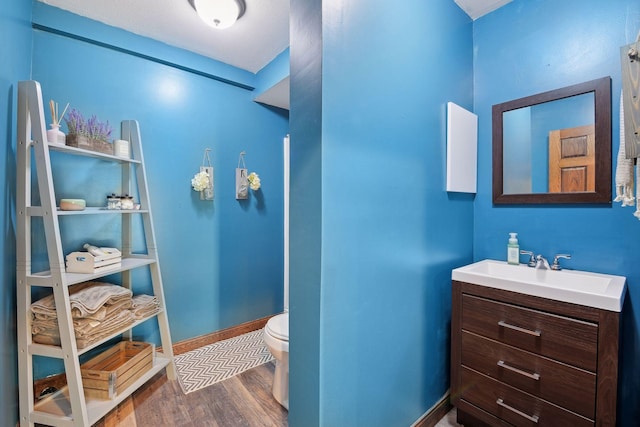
{"points": [[69, 406]]}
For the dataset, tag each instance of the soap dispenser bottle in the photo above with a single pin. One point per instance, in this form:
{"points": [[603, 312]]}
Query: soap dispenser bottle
{"points": [[513, 249]]}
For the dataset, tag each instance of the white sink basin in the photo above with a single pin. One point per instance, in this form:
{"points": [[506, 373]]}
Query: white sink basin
{"points": [[579, 287]]}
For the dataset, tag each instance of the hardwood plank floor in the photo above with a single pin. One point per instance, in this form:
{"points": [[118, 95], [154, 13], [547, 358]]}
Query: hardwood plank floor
{"points": [[241, 401]]}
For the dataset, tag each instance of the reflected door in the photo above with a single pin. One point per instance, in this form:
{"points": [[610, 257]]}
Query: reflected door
{"points": [[572, 160]]}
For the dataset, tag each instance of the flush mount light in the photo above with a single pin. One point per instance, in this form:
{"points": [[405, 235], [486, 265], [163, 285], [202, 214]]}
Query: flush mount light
{"points": [[219, 13]]}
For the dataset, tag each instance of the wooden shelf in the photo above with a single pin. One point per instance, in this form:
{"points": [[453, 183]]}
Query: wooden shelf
{"points": [[56, 408], [128, 263], [38, 211], [88, 153], [103, 211]]}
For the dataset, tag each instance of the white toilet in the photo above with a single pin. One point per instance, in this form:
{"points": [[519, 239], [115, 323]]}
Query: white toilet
{"points": [[276, 337], [276, 331]]}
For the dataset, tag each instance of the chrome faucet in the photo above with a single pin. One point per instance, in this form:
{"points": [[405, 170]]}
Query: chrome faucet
{"points": [[556, 261], [532, 258], [542, 263]]}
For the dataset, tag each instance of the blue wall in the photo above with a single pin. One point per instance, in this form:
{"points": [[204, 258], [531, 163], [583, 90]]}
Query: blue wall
{"points": [[305, 212], [390, 233], [273, 73], [15, 33], [221, 261], [529, 47], [374, 234]]}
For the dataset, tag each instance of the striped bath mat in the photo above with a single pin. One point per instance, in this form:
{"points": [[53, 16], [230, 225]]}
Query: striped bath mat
{"points": [[215, 362]]}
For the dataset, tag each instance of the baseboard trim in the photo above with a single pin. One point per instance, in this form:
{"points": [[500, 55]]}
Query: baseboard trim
{"points": [[435, 413], [56, 382], [234, 331]]}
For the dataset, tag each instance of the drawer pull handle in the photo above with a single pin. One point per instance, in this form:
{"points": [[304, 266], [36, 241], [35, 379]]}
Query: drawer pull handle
{"points": [[504, 324], [532, 418], [534, 376]]}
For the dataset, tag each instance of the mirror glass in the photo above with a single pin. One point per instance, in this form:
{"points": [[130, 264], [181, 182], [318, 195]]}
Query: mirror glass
{"points": [[529, 134], [554, 147]]}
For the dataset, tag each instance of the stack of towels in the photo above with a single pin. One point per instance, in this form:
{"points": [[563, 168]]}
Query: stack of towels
{"points": [[98, 309]]}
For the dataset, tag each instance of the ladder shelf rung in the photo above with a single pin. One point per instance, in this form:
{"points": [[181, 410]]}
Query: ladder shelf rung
{"points": [[39, 211], [87, 153], [102, 211], [44, 278], [46, 350]]}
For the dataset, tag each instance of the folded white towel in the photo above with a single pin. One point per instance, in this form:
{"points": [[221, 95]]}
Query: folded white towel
{"points": [[85, 299], [143, 299], [144, 306], [98, 310], [87, 331]]}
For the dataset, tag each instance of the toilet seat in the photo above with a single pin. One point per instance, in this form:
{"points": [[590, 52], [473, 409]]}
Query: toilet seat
{"points": [[278, 327]]}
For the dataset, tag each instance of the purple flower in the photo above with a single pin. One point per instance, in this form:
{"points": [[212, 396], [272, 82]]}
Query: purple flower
{"points": [[92, 128]]}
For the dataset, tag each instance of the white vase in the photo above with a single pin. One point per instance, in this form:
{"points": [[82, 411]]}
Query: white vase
{"points": [[55, 135]]}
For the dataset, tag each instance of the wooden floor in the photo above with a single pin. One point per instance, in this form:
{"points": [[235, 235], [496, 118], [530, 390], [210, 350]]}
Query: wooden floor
{"points": [[241, 401]]}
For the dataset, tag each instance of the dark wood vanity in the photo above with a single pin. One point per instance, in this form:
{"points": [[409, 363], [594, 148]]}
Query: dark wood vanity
{"points": [[523, 360]]}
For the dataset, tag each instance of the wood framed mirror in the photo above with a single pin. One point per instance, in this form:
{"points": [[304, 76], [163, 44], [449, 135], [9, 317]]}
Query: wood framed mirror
{"points": [[554, 147]]}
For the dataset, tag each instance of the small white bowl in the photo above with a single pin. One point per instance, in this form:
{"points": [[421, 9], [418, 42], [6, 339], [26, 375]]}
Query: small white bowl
{"points": [[72, 204]]}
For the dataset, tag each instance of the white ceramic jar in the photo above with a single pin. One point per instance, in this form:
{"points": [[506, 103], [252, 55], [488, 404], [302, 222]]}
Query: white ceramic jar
{"points": [[121, 148]]}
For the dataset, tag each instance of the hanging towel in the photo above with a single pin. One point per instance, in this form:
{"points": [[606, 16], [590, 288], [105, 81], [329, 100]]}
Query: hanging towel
{"points": [[624, 170]]}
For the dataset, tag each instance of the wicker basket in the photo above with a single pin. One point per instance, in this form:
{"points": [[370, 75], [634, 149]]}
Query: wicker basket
{"points": [[86, 143]]}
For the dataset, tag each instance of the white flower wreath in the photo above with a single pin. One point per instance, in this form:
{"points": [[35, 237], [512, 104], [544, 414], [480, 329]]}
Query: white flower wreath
{"points": [[254, 181], [200, 181]]}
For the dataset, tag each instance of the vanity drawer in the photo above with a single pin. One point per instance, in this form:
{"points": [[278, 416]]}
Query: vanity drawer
{"points": [[561, 338], [569, 387], [514, 406]]}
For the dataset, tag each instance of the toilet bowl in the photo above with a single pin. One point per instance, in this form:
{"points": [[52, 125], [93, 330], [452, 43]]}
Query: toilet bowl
{"points": [[276, 338]]}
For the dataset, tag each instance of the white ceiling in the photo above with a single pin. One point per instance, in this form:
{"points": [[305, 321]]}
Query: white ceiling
{"points": [[255, 40], [476, 8]]}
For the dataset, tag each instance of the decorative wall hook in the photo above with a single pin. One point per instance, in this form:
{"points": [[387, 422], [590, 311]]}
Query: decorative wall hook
{"points": [[242, 181], [245, 180], [203, 180]]}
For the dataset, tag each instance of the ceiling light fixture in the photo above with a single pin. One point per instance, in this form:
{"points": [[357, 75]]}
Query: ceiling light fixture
{"points": [[219, 13]]}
